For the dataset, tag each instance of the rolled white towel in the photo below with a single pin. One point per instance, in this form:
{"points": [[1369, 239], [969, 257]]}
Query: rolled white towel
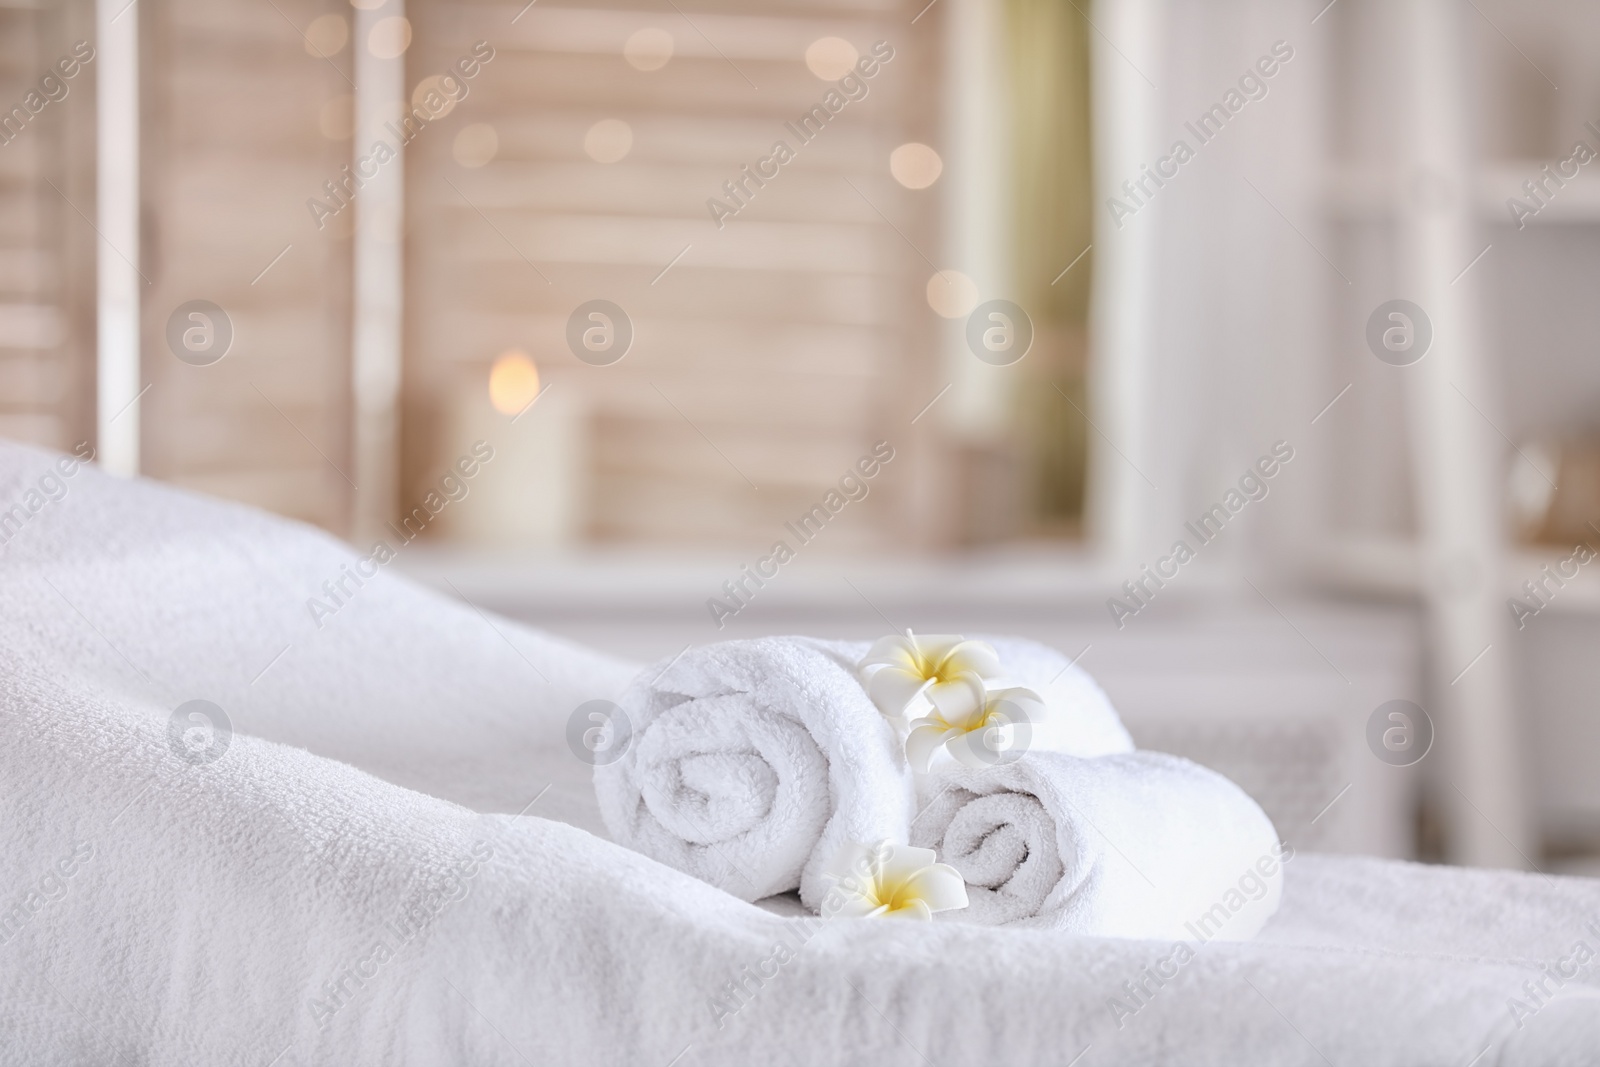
{"points": [[751, 763], [1140, 844]]}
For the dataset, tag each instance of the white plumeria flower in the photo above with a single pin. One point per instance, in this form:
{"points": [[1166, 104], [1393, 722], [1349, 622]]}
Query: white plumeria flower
{"points": [[997, 730], [911, 676], [891, 882]]}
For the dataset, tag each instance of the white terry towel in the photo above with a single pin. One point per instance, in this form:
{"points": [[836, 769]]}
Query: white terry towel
{"points": [[1140, 844], [170, 596], [752, 762]]}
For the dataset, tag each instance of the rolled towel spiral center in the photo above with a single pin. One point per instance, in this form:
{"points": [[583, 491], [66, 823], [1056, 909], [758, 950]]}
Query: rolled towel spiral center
{"points": [[708, 797], [1004, 846]]}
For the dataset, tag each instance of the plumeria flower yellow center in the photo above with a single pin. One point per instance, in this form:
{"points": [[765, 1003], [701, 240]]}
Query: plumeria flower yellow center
{"points": [[910, 676], [998, 730], [892, 882]]}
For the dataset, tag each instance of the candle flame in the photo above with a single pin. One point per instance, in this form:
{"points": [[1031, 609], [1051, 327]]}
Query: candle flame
{"points": [[513, 382]]}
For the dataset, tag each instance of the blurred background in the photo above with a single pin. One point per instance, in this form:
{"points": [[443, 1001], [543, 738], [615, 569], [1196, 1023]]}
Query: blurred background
{"points": [[682, 265]]}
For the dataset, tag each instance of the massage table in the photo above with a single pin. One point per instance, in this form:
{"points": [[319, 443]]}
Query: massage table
{"points": [[238, 829]]}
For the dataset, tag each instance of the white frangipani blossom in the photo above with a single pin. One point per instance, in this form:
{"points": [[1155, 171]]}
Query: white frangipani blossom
{"points": [[891, 881], [910, 676], [998, 730]]}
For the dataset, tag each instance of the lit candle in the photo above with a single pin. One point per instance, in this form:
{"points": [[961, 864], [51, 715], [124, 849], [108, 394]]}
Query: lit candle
{"points": [[531, 493]]}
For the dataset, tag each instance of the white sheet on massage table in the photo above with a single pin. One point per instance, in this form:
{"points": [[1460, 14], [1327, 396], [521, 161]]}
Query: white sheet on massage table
{"points": [[218, 896]]}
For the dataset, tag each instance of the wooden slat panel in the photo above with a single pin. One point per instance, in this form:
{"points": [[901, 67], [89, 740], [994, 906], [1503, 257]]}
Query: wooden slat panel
{"points": [[663, 190], [490, 286], [46, 247], [576, 85], [780, 32], [280, 488], [25, 271], [40, 378], [841, 356], [37, 427], [233, 153], [793, 337]]}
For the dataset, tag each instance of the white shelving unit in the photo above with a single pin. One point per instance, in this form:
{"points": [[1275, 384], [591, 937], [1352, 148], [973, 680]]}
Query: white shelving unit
{"points": [[1462, 127], [1377, 167]]}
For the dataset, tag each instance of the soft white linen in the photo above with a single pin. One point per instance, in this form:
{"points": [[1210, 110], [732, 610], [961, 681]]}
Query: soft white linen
{"points": [[217, 902], [753, 762], [160, 597], [1140, 844]]}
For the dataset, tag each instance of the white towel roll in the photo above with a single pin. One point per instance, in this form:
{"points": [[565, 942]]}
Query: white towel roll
{"points": [[753, 762], [1139, 844]]}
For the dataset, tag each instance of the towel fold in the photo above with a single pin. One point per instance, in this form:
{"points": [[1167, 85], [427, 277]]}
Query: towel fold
{"points": [[753, 762], [1138, 844]]}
